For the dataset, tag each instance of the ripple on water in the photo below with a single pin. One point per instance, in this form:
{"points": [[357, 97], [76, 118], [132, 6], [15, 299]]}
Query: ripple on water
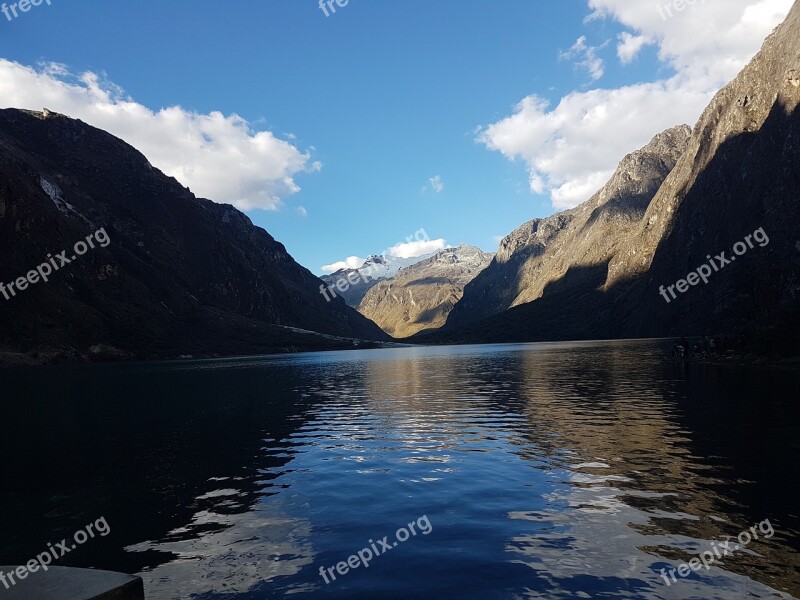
{"points": [[546, 471]]}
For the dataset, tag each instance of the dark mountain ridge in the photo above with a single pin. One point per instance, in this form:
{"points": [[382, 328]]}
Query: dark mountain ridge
{"points": [[181, 275]]}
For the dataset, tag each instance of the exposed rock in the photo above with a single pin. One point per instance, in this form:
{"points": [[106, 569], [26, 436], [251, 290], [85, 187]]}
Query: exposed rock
{"points": [[421, 296], [543, 250], [721, 179], [739, 173], [353, 284]]}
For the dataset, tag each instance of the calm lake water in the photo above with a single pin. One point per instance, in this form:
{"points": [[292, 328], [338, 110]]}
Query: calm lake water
{"points": [[545, 471]]}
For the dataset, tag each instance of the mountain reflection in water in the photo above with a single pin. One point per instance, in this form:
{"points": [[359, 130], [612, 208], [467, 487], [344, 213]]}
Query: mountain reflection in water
{"points": [[574, 470]]}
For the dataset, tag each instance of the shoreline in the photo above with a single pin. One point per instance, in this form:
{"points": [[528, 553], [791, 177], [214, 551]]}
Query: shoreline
{"points": [[51, 357]]}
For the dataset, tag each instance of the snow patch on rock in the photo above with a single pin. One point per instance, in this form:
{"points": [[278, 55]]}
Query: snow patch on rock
{"points": [[57, 196]]}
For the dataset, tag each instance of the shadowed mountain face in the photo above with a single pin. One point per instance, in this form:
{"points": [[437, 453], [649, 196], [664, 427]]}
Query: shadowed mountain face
{"points": [[181, 275], [421, 296], [738, 174], [542, 251]]}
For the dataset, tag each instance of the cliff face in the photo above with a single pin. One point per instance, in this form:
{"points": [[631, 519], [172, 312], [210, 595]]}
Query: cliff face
{"points": [[421, 296], [543, 250], [738, 174], [181, 275]]}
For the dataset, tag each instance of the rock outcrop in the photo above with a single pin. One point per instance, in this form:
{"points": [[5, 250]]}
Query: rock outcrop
{"points": [[542, 251]]}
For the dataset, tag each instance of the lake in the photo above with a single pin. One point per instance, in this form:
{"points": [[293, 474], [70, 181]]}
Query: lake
{"points": [[569, 470]]}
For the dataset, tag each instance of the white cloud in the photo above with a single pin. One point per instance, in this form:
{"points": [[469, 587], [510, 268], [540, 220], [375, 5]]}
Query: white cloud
{"points": [[630, 45], [351, 262], [586, 57], [219, 157], [436, 184], [407, 249], [571, 148], [301, 210], [418, 248]]}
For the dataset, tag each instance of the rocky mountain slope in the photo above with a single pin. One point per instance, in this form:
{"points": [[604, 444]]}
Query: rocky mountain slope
{"points": [[421, 296], [739, 173], [542, 251], [355, 283], [181, 275]]}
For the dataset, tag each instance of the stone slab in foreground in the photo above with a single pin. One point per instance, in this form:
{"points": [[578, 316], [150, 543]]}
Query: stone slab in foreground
{"points": [[62, 583]]}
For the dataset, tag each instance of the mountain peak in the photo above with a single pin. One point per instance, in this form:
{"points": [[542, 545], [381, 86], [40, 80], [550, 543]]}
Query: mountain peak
{"points": [[544, 249], [421, 296], [607, 267]]}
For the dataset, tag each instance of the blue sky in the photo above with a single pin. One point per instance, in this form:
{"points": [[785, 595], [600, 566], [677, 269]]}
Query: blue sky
{"points": [[385, 95]]}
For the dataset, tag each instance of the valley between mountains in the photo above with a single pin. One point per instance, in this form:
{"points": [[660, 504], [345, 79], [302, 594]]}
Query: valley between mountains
{"points": [[187, 276]]}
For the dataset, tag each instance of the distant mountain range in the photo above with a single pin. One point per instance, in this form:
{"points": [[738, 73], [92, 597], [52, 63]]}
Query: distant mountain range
{"points": [[420, 297], [375, 269], [182, 275], [669, 246]]}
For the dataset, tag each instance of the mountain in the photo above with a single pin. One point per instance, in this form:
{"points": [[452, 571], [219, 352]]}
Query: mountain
{"points": [[180, 275], [542, 251], [353, 284], [737, 181], [421, 296]]}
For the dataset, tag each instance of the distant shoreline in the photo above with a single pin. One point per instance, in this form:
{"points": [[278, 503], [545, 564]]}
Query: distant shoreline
{"points": [[61, 356]]}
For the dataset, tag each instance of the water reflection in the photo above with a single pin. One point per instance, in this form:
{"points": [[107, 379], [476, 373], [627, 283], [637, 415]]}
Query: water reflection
{"points": [[547, 471], [229, 553]]}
